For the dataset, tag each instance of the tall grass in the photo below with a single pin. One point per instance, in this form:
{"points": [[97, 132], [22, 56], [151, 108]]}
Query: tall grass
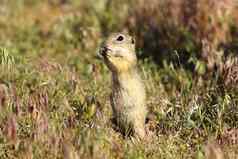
{"points": [[187, 26]]}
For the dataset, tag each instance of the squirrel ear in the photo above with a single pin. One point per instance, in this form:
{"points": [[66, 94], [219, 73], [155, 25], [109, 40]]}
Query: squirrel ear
{"points": [[132, 40], [124, 31]]}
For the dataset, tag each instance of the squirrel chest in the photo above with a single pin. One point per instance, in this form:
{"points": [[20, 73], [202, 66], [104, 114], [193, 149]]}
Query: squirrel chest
{"points": [[128, 97]]}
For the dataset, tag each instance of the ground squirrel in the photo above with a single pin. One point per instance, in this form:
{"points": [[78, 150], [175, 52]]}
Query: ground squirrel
{"points": [[128, 92]]}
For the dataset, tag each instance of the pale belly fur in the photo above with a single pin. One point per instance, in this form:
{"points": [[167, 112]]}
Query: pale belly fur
{"points": [[128, 103]]}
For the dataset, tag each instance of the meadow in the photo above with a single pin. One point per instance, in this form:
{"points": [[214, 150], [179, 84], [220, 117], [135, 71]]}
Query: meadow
{"points": [[54, 90]]}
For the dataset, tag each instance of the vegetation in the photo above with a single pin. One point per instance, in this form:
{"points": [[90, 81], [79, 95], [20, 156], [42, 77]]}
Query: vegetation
{"points": [[54, 90]]}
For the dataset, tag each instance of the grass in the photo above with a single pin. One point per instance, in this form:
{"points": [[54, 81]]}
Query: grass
{"points": [[54, 91]]}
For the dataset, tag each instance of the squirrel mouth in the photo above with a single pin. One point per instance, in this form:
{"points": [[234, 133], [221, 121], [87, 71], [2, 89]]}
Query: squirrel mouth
{"points": [[104, 52]]}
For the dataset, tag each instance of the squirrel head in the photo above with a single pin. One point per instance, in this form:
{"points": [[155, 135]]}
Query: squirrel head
{"points": [[118, 52]]}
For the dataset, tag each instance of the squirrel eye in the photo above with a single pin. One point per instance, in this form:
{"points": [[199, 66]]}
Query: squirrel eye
{"points": [[120, 38]]}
